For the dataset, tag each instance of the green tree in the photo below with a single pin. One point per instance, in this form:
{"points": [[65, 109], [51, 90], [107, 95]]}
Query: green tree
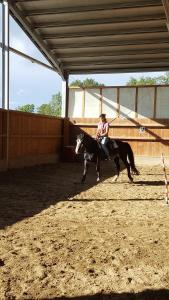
{"points": [[142, 81], [163, 79], [53, 108], [147, 80], [44, 109], [88, 82], [26, 108]]}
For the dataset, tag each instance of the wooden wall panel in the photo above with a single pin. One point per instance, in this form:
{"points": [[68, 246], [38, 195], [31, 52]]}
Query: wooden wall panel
{"points": [[3, 117], [30, 135]]}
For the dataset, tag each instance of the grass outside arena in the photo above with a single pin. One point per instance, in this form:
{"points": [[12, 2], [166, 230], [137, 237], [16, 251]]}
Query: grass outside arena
{"points": [[63, 240]]}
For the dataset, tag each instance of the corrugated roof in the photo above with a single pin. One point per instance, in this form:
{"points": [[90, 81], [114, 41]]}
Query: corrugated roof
{"points": [[96, 36]]}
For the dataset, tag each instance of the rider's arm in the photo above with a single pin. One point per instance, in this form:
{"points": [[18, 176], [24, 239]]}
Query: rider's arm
{"points": [[98, 131]]}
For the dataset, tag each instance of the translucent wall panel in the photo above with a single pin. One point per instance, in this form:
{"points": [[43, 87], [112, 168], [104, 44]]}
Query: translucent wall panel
{"points": [[92, 103], [109, 104], [75, 103], [127, 102], [145, 106], [162, 103]]}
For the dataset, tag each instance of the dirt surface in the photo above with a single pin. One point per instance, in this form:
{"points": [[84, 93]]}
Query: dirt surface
{"points": [[63, 240]]}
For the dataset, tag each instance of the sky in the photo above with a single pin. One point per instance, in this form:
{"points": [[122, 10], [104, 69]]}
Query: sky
{"points": [[31, 83]]}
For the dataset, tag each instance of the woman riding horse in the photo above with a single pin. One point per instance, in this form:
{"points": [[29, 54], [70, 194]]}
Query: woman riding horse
{"points": [[102, 135]]}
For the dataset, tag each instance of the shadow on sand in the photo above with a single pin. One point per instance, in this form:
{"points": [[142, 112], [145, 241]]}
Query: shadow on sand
{"points": [[161, 294]]}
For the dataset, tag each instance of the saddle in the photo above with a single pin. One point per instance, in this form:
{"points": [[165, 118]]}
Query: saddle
{"points": [[111, 145]]}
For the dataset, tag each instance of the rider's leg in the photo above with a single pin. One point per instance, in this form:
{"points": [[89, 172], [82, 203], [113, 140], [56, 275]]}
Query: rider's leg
{"points": [[104, 146]]}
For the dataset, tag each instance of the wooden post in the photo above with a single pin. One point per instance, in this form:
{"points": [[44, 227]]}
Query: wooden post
{"points": [[155, 102], [65, 97], [136, 103], [83, 103], [101, 100], [118, 102], [66, 128]]}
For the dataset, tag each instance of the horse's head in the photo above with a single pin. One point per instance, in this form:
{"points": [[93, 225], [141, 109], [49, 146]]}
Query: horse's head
{"points": [[79, 142]]}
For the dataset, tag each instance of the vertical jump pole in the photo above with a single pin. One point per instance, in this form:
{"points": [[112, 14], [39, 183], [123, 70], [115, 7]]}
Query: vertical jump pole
{"points": [[165, 179]]}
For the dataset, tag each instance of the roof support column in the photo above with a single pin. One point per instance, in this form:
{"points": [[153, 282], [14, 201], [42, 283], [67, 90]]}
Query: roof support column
{"points": [[166, 8], [65, 96], [5, 55]]}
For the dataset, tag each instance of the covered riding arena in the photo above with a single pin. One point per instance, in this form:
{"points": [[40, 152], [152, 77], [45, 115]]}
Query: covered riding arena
{"points": [[60, 239]]}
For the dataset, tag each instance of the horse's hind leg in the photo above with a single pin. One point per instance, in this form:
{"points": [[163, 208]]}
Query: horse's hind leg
{"points": [[86, 166], [116, 160], [124, 159], [98, 169]]}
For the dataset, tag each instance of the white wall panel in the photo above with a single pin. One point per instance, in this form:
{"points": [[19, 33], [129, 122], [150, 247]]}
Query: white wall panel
{"points": [[92, 103], [75, 103], [127, 102], [127, 98], [109, 104], [145, 106], [162, 103]]}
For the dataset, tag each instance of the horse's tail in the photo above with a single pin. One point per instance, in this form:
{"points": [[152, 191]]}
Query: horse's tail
{"points": [[131, 159]]}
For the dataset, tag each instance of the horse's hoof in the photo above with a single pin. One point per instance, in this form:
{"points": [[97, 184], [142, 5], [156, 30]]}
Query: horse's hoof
{"points": [[131, 180], [115, 178], [98, 179], [136, 172]]}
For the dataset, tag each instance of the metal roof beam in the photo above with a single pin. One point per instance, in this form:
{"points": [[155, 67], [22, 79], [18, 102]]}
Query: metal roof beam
{"points": [[111, 58], [119, 65], [30, 58], [113, 50], [103, 29], [105, 64], [91, 22], [114, 16], [117, 70], [35, 38], [113, 38], [166, 9], [105, 33], [109, 43], [94, 8]]}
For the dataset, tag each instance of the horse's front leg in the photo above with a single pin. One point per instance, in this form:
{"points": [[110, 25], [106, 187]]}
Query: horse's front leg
{"points": [[86, 166], [98, 168]]}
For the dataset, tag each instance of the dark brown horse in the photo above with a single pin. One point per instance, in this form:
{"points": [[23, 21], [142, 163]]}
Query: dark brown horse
{"points": [[94, 153]]}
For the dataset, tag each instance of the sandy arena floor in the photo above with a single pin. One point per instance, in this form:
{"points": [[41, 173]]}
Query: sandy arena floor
{"points": [[63, 240]]}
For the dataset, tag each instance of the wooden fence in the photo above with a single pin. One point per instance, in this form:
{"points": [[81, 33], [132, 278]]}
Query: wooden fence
{"points": [[27, 139], [147, 137]]}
